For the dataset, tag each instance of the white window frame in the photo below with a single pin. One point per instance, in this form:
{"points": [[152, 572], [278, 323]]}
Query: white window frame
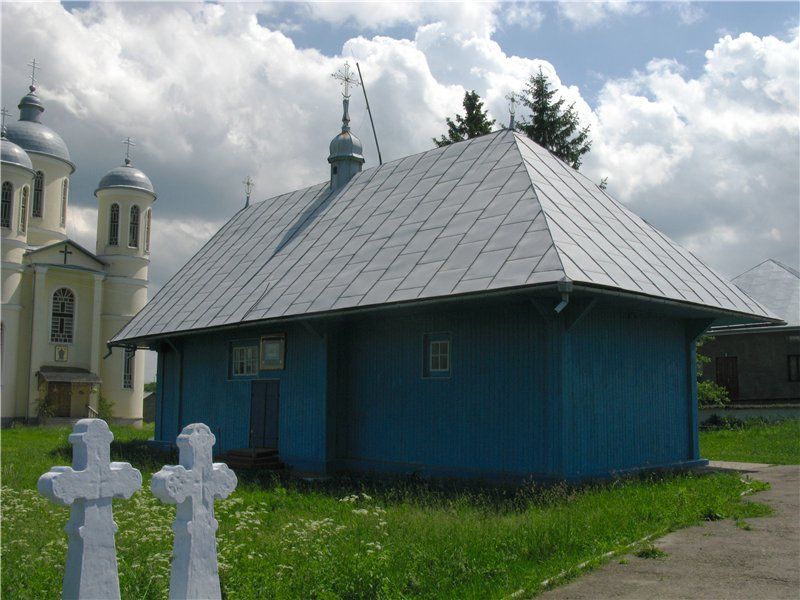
{"points": [[128, 367], [439, 349], [246, 357], [73, 323], [22, 226], [113, 225]]}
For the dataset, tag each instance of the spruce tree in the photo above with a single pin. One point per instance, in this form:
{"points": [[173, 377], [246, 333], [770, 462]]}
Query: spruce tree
{"points": [[550, 124], [475, 122]]}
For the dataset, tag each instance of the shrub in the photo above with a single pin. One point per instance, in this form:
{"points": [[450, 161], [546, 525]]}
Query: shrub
{"points": [[45, 407], [711, 395], [105, 408]]}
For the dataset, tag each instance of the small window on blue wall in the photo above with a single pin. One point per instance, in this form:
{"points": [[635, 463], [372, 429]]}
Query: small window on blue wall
{"points": [[244, 359], [437, 355]]}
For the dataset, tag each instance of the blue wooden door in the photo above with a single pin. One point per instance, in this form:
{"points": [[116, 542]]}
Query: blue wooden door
{"points": [[264, 413]]}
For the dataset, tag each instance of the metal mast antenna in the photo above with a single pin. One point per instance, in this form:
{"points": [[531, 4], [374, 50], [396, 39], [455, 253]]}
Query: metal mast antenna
{"points": [[128, 141], [512, 108], [369, 112], [249, 184]]}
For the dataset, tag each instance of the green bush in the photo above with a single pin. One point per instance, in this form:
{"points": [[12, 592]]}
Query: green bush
{"points": [[45, 407], [709, 393], [105, 408]]}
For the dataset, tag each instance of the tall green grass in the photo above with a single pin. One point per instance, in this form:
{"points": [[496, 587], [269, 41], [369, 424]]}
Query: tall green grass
{"points": [[346, 538], [754, 441]]}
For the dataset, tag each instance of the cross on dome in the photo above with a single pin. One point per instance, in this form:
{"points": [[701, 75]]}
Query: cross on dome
{"points": [[512, 107], [346, 77], [4, 114], [249, 184], [33, 65], [128, 142]]}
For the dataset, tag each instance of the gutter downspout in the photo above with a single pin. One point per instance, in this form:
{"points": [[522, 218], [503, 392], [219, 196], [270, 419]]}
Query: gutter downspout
{"points": [[565, 287]]}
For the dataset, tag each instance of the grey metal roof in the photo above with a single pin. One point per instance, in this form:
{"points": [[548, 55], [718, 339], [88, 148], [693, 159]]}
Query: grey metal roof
{"points": [[126, 176], [489, 213], [33, 136], [12, 154], [776, 286]]}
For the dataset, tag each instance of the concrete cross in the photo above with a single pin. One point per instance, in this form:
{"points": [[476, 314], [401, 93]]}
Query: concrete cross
{"points": [[88, 487], [193, 486]]}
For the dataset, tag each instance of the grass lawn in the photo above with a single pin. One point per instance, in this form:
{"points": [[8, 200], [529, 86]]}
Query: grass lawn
{"points": [[349, 539], [775, 443]]}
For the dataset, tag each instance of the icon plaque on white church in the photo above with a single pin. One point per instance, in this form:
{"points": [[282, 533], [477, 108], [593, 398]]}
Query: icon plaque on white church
{"points": [[62, 353]]}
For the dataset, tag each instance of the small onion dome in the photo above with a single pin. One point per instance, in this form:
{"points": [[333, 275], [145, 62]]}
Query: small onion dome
{"points": [[126, 176], [346, 145], [31, 134], [11, 154]]}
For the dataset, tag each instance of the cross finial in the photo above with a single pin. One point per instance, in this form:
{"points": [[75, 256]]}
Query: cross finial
{"points": [[33, 65], [249, 184], [347, 79], [128, 141], [512, 108], [4, 113]]}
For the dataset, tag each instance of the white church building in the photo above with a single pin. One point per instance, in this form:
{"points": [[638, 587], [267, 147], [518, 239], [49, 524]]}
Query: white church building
{"points": [[61, 302]]}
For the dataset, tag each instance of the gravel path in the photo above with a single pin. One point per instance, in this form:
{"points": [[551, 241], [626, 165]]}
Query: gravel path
{"points": [[715, 559]]}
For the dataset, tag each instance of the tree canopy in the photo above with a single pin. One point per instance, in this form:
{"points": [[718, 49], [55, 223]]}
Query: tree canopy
{"points": [[475, 122], [552, 125]]}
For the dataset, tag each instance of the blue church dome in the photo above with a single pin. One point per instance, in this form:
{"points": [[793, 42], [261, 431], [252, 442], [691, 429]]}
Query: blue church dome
{"points": [[126, 176], [31, 134], [11, 154]]}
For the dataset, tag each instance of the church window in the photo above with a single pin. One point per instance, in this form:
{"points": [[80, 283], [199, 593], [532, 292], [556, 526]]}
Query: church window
{"points": [[5, 209], [37, 210], [133, 229], [244, 360], [64, 192], [23, 210], [127, 368], [113, 226], [63, 316], [147, 219]]}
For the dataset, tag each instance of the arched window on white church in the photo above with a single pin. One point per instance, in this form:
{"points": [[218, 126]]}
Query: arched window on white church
{"points": [[63, 316], [113, 226], [23, 210], [37, 209], [147, 219], [64, 192], [127, 368], [5, 206], [133, 229]]}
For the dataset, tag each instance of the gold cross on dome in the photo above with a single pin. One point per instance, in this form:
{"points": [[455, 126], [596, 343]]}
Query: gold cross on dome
{"points": [[33, 65], [345, 75], [128, 141]]}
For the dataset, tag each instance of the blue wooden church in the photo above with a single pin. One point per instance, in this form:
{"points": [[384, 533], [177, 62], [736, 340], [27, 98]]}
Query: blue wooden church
{"points": [[478, 310]]}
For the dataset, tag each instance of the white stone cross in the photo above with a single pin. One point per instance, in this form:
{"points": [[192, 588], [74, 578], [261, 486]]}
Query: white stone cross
{"points": [[193, 486], [88, 487]]}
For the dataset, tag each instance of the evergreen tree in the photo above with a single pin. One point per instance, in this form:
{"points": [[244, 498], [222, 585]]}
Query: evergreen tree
{"points": [[475, 122], [551, 125]]}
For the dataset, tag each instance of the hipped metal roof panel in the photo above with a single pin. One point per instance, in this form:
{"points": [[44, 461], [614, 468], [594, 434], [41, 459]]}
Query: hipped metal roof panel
{"points": [[777, 286], [492, 212]]}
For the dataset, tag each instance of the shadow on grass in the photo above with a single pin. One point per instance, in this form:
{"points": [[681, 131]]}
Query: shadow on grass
{"points": [[139, 453]]}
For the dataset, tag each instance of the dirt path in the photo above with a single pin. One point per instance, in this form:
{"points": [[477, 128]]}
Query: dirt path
{"points": [[716, 559]]}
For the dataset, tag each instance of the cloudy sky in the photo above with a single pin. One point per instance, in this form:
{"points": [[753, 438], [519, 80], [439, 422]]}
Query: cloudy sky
{"points": [[693, 107]]}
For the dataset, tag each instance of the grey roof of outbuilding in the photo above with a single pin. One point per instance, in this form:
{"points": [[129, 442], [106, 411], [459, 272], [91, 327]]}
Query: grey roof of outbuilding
{"points": [[776, 286], [487, 214]]}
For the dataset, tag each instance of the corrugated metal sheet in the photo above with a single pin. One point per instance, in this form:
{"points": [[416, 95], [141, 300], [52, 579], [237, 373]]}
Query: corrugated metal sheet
{"points": [[493, 212], [776, 286]]}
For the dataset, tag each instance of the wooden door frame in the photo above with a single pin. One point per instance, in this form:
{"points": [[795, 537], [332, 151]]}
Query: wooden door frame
{"points": [[277, 410]]}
